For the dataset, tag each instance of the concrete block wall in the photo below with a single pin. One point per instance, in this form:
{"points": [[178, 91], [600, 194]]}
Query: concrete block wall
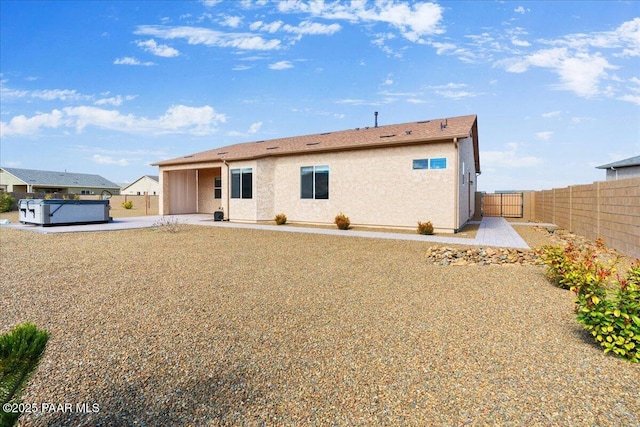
{"points": [[609, 210]]}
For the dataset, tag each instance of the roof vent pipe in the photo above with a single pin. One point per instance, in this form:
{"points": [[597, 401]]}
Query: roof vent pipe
{"points": [[376, 118]]}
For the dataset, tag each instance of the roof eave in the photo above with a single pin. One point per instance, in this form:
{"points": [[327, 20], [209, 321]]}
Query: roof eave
{"points": [[373, 145]]}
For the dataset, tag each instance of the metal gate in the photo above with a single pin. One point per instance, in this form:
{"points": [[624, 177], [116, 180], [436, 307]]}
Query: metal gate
{"points": [[508, 205]]}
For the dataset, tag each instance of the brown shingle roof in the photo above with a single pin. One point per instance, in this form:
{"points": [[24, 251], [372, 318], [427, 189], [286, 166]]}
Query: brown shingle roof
{"points": [[359, 138]]}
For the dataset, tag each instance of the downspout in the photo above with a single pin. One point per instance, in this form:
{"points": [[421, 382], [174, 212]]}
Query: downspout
{"points": [[456, 223], [228, 188]]}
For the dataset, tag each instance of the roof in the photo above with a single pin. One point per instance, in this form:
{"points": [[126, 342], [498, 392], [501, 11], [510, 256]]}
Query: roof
{"points": [[631, 161], [437, 130], [60, 179], [156, 178]]}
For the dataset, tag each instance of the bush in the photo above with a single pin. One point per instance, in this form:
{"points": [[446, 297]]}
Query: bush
{"points": [[281, 219], [425, 228], [342, 221], [6, 201], [20, 352], [612, 313], [128, 204], [167, 224], [607, 306]]}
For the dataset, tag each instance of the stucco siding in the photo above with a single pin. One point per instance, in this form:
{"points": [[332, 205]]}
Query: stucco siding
{"points": [[372, 187], [143, 185], [622, 173], [466, 181], [8, 180], [206, 201], [245, 209]]}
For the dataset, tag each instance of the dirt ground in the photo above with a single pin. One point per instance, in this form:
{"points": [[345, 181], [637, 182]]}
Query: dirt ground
{"points": [[219, 326]]}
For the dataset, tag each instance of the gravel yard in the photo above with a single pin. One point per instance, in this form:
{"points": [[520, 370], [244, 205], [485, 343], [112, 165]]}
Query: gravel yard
{"points": [[218, 326]]}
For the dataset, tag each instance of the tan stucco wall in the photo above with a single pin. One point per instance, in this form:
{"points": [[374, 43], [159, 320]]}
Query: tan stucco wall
{"points": [[245, 209], [372, 187], [377, 187]]}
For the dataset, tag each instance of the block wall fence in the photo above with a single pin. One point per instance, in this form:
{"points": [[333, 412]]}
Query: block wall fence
{"points": [[608, 209]]}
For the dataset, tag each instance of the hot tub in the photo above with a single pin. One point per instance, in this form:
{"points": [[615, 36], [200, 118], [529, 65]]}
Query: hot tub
{"points": [[63, 212]]}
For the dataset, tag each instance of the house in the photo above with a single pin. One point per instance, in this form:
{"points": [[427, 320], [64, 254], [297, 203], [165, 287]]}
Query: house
{"points": [[37, 181], [627, 168], [384, 176], [146, 184]]}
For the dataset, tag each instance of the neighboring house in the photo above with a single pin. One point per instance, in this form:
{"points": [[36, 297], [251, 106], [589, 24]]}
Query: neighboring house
{"points": [[147, 184], [392, 176], [37, 181], [627, 168]]}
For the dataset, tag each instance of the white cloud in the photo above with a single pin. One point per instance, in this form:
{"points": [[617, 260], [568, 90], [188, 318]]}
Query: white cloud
{"points": [[211, 3], [581, 61], [158, 49], [108, 160], [635, 99], [579, 72], [178, 119], [22, 125], [114, 100], [509, 158], [241, 68], [128, 60], [520, 43], [413, 21], [231, 21], [521, 10], [552, 114], [312, 28], [59, 94], [255, 127], [454, 91], [544, 136], [269, 28], [281, 65], [207, 37]]}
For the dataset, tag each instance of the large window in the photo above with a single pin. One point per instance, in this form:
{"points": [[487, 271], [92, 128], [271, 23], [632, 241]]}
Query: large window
{"points": [[217, 187], [314, 182], [242, 183]]}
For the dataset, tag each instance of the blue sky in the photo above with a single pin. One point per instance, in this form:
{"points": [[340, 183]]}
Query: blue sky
{"points": [[110, 87]]}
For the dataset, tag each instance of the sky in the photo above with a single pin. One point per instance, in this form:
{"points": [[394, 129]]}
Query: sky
{"points": [[109, 87]]}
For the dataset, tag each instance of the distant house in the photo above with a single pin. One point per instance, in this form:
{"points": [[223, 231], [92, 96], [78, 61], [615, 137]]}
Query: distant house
{"points": [[37, 181], [390, 176], [627, 168], [147, 184]]}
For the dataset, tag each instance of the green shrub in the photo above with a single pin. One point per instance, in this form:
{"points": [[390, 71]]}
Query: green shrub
{"points": [[606, 306], [6, 201], [128, 204], [281, 219], [20, 352], [342, 221], [612, 313], [425, 228]]}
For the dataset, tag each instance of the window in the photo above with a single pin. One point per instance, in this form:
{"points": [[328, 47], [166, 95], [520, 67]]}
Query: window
{"points": [[421, 164], [217, 187], [438, 163], [241, 183], [314, 182]]}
